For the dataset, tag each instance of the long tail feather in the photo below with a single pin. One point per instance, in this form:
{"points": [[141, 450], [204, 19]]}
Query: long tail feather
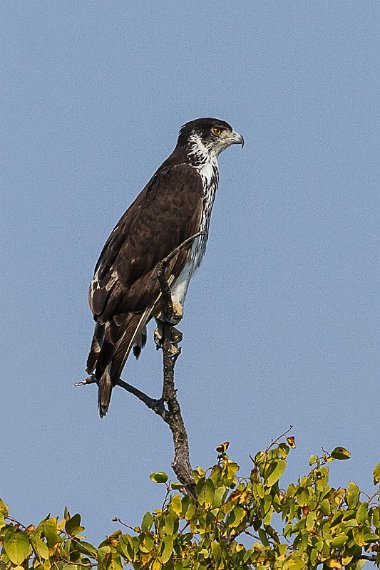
{"points": [[110, 357], [104, 392]]}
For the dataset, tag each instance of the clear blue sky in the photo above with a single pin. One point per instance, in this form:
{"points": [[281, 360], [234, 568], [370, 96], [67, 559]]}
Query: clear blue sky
{"points": [[282, 318]]}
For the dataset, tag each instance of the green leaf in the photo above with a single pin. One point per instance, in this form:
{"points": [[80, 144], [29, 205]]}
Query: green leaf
{"points": [[297, 565], [167, 549], [352, 495], [176, 505], [216, 551], [339, 541], [310, 520], [72, 524], [358, 535], [146, 543], [232, 469], [39, 546], [325, 507], [49, 529], [263, 537], [3, 508], [169, 524], [159, 477], [219, 496], [268, 516], [258, 490], [127, 547], [86, 548], [371, 537], [346, 559], [190, 511], [303, 496], [283, 450], [275, 472], [362, 513], [16, 545], [376, 517], [376, 474], [313, 557], [176, 486], [340, 453], [147, 522], [103, 554], [235, 517], [205, 492]]}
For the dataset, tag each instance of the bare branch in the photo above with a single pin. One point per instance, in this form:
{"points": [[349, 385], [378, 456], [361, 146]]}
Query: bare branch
{"points": [[274, 441], [172, 414], [181, 463], [365, 557], [158, 406]]}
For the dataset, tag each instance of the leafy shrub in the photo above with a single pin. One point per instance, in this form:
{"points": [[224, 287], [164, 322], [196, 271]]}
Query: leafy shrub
{"points": [[235, 522]]}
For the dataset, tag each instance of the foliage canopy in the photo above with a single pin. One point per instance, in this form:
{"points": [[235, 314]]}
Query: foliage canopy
{"points": [[235, 522]]}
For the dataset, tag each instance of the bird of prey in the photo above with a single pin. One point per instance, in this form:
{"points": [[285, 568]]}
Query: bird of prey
{"points": [[175, 204]]}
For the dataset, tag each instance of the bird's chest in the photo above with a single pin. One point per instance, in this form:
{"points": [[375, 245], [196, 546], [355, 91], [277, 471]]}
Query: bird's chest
{"points": [[210, 175]]}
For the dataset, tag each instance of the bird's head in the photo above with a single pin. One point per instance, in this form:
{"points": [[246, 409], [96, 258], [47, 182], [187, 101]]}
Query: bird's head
{"points": [[205, 137]]}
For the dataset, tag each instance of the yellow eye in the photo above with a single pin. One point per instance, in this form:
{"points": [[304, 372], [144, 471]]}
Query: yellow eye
{"points": [[217, 131]]}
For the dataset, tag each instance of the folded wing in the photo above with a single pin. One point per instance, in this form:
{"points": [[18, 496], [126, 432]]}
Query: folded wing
{"points": [[124, 289]]}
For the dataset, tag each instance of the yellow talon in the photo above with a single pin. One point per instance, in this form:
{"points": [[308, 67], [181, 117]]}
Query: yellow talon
{"points": [[177, 312]]}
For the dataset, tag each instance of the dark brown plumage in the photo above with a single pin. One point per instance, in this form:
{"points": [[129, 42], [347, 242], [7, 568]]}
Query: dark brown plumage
{"points": [[175, 204]]}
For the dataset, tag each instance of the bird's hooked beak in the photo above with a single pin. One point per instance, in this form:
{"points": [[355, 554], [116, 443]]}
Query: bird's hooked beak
{"points": [[236, 138]]}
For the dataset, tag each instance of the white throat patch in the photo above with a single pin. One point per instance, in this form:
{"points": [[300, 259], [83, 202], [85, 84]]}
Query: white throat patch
{"points": [[205, 160], [198, 148]]}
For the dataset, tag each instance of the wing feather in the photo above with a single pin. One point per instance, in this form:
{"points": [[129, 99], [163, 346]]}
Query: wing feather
{"points": [[165, 214]]}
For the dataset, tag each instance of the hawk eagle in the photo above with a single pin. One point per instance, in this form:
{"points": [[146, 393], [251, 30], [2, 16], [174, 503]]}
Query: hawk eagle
{"points": [[174, 205]]}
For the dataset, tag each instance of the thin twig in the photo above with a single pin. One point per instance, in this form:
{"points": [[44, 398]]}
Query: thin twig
{"points": [[274, 441], [15, 521], [116, 519], [181, 246]]}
